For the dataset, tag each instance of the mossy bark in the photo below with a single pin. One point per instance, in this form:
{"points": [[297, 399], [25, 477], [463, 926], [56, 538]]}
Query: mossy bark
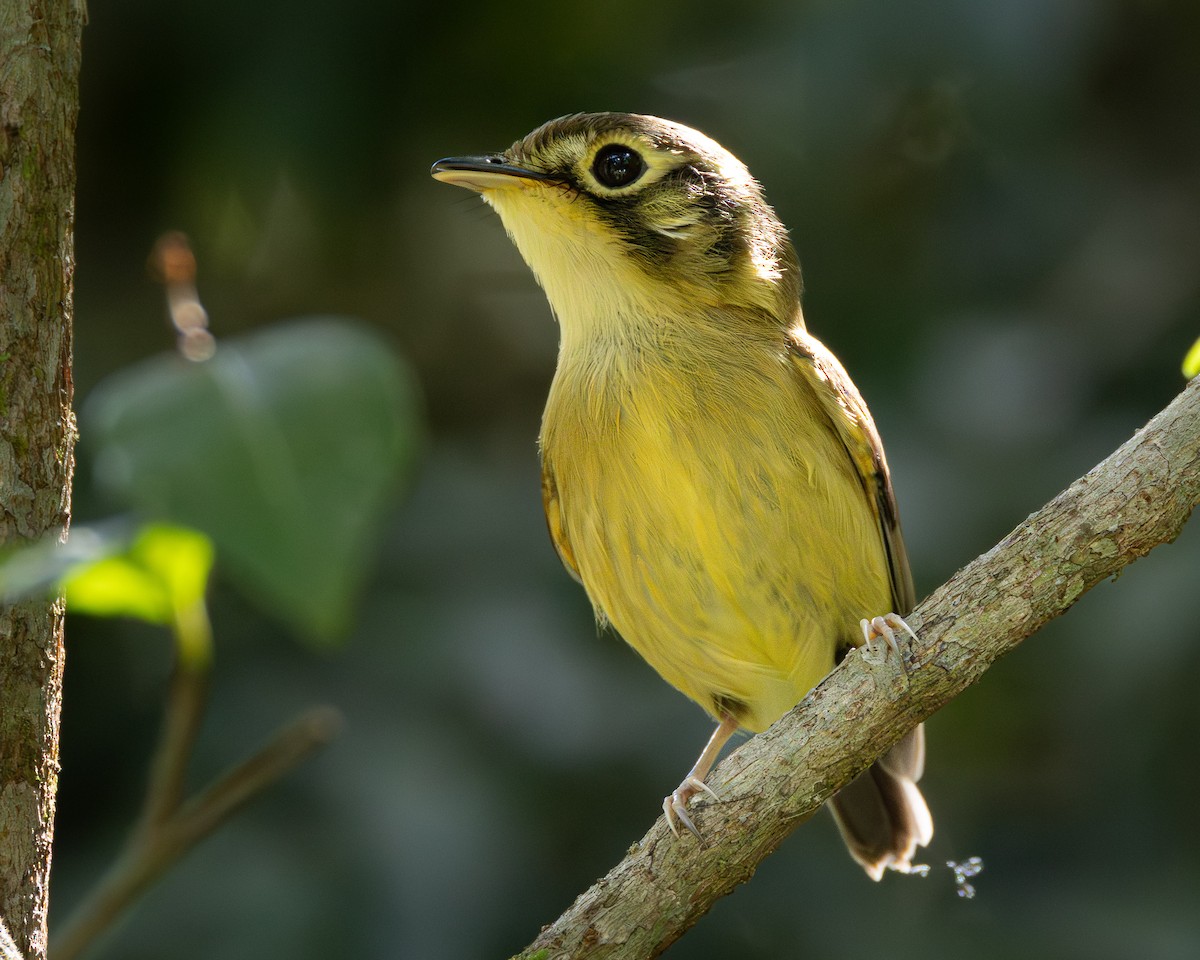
{"points": [[39, 102]]}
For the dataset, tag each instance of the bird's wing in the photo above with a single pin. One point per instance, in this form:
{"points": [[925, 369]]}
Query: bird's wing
{"points": [[848, 415], [554, 520]]}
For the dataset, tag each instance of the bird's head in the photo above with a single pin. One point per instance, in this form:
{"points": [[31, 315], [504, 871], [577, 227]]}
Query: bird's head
{"points": [[621, 215]]}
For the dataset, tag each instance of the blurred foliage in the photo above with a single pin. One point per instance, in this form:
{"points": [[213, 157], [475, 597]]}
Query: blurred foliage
{"points": [[1191, 362], [998, 210], [284, 447], [162, 578], [164, 571]]}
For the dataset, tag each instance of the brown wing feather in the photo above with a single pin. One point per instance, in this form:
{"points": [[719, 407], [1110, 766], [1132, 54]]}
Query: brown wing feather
{"points": [[849, 416], [882, 816]]}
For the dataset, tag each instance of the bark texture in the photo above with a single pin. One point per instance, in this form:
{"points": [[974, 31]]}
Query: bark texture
{"points": [[39, 99], [1138, 498]]}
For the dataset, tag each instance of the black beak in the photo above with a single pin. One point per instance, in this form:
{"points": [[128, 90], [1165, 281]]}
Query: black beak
{"points": [[484, 173]]}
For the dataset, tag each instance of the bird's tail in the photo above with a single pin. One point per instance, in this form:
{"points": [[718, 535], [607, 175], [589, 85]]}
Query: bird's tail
{"points": [[882, 815]]}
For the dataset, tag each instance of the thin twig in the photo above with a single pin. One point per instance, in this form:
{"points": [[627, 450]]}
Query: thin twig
{"points": [[168, 770], [1138, 498], [155, 846], [204, 813]]}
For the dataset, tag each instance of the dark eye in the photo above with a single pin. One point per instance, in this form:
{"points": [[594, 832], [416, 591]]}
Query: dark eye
{"points": [[617, 165]]}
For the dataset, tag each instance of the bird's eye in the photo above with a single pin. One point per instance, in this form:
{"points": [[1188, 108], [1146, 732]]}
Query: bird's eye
{"points": [[617, 165]]}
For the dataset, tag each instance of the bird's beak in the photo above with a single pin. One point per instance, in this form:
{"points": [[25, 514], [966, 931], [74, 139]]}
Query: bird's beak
{"points": [[484, 173]]}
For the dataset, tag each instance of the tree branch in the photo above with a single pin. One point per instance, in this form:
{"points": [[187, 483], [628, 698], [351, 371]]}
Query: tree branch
{"points": [[1137, 498], [168, 831]]}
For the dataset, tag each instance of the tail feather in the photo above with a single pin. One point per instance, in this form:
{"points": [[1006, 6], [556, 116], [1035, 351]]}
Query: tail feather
{"points": [[882, 816]]}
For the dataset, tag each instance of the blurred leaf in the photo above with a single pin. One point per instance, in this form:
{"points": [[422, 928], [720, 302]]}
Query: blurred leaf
{"points": [[285, 447], [118, 587], [35, 569], [164, 572], [1191, 363]]}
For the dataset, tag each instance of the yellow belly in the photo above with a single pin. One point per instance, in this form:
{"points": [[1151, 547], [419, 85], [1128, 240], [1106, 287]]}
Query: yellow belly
{"points": [[715, 520]]}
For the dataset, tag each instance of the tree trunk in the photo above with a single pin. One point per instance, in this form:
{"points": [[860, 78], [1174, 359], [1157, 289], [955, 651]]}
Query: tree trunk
{"points": [[39, 102]]}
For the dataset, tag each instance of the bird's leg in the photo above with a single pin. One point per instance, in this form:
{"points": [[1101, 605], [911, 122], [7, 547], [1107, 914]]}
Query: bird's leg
{"points": [[675, 805], [884, 628]]}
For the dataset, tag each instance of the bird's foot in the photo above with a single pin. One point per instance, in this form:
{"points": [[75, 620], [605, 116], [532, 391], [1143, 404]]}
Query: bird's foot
{"points": [[675, 805], [884, 628]]}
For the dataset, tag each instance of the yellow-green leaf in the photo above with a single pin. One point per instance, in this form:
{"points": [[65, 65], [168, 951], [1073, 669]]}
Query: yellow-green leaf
{"points": [[1191, 363], [180, 557], [117, 587], [163, 572]]}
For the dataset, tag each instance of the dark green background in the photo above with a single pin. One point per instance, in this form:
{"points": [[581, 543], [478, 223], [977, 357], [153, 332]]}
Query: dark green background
{"points": [[997, 206]]}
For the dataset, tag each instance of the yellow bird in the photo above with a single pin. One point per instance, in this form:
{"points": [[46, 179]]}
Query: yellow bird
{"points": [[710, 473]]}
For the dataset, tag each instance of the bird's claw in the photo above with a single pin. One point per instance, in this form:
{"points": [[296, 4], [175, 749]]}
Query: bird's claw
{"points": [[675, 805], [884, 628]]}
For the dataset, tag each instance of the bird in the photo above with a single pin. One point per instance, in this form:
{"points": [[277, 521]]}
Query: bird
{"points": [[710, 473]]}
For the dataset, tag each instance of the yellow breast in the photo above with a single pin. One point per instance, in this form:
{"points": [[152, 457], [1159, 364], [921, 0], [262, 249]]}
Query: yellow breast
{"points": [[712, 514]]}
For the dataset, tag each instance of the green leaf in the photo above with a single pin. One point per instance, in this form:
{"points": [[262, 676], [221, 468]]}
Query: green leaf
{"points": [[36, 569], [286, 448], [163, 573], [1191, 363], [161, 578], [118, 587]]}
